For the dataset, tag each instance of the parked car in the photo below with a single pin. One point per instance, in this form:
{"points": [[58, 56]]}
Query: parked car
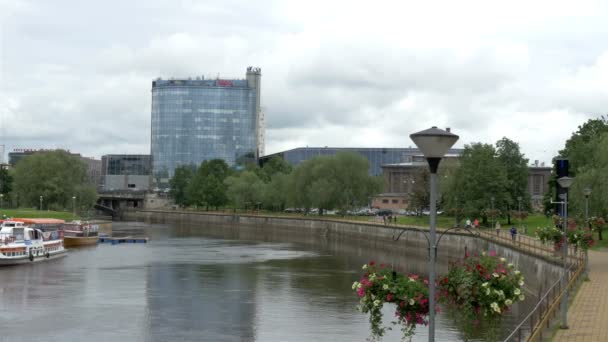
{"points": [[384, 212]]}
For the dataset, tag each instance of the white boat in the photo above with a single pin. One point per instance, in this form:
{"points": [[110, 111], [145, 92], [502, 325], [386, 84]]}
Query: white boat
{"points": [[21, 244]]}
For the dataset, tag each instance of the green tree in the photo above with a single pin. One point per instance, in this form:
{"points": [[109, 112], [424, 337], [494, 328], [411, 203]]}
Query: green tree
{"points": [[592, 176], [207, 187], [245, 190], [275, 192], [56, 176], [327, 182], [582, 144], [272, 167], [180, 182], [479, 178], [515, 166]]}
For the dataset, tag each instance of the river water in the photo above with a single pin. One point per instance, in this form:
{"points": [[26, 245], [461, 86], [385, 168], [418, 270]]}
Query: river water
{"points": [[186, 286]]}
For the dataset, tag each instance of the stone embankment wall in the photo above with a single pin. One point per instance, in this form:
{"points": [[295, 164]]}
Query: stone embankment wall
{"points": [[357, 238]]}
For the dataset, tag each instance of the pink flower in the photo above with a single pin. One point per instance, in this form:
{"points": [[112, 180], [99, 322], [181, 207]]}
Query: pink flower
{"points": [[389, 297], [360, 292], [492, 253]]}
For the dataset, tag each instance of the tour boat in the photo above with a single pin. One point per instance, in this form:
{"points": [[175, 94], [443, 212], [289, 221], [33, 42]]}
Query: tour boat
{"points": [[77, 233], [22, 244]]}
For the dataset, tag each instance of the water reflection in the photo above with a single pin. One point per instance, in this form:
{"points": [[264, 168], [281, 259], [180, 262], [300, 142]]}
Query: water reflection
{"points": [[193, 284]]}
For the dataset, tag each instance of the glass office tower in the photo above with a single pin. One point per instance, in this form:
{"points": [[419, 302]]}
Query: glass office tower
{"points": [[194, 120]]}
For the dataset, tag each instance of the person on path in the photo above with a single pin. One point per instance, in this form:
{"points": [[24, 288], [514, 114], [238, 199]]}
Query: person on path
{"points": [[395, 219], [468, 223], [497, 228], [476, 223], [513, 233]]}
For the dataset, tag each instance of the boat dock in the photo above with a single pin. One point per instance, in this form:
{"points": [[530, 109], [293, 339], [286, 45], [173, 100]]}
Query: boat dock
{"points": [[124, 239]]}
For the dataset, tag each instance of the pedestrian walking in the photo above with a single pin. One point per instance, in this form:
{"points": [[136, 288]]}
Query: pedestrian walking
{"points": [[497, 228], [468, 223], [395, 219], [513, 233], [476, 223]]}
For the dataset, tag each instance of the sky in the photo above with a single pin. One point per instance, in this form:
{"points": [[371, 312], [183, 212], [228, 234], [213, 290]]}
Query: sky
{"points": [[77, 74]]}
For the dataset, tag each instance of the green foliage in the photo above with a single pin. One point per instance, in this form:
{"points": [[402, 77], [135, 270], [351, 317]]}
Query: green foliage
{"points": [[581, 148], [327, 182], [208, 188], [276, 165], [6, 181], [55, 175], [245, 190], [179, 184], [479, 177], [515, 166], [275, 192]]}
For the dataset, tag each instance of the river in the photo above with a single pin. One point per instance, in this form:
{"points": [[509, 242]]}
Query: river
{"points": [[185, 285]]}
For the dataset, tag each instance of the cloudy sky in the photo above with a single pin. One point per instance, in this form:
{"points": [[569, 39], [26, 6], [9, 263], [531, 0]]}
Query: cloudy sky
{"points": [[77, 74]]}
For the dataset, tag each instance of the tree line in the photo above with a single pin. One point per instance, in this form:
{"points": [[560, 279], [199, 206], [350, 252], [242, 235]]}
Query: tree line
{"points": [[48, 180], [325, 182]]}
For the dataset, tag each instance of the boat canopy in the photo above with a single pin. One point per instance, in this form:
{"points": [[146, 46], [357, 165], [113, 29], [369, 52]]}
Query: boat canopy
{"points": [[39, 220]]}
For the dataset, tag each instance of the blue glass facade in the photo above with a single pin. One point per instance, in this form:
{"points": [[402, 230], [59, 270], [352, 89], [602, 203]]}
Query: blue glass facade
{"points": [[376, 156], [198, 120]]}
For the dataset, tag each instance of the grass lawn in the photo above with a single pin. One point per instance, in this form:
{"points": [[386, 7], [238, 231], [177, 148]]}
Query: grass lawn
{"points": [[30, 213]]}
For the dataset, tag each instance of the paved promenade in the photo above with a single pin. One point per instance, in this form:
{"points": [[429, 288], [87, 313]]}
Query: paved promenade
{"points": [[588, 315]]}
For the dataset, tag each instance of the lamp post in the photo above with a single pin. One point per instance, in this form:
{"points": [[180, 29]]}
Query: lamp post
{"points": [[587, 192], [74, 206], [1, 200], [565, 183], [519, 211], [433, 143], [492, 201], [40, 202]]}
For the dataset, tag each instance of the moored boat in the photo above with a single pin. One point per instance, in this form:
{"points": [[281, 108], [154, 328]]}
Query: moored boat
{"points": [[77, 233], [22, 244]]}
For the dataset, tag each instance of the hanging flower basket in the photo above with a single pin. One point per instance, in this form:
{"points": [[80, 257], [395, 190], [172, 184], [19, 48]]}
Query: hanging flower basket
{"points": [[409, 294], [482, 288]]}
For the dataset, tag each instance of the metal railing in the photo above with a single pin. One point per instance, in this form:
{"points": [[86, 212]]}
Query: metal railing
{"points": [[531, 328]]}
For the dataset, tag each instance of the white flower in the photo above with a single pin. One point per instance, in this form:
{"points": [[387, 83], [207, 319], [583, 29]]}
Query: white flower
{"points": [[485, 284], [503, 259], [508, 302], [495, 275], [376, 302], [517, 292], [510, 265], [412, 302], [412, 279], [495, 307], [522, 297], [517, 272], [487, 292], [359, 285], [385, 287], [364, 266], [372, 277], [355, 285], [521, 283]]}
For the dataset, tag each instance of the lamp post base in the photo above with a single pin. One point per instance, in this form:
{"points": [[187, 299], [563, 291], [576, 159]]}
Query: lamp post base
{"points": [[564, 327]]}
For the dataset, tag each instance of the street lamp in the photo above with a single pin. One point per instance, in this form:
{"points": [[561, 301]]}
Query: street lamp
{"points": [[433, 143], [1, 200], [519, 210], [40, 202], [565, 183], [587, 192], [492, 200], [74, 206]]}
